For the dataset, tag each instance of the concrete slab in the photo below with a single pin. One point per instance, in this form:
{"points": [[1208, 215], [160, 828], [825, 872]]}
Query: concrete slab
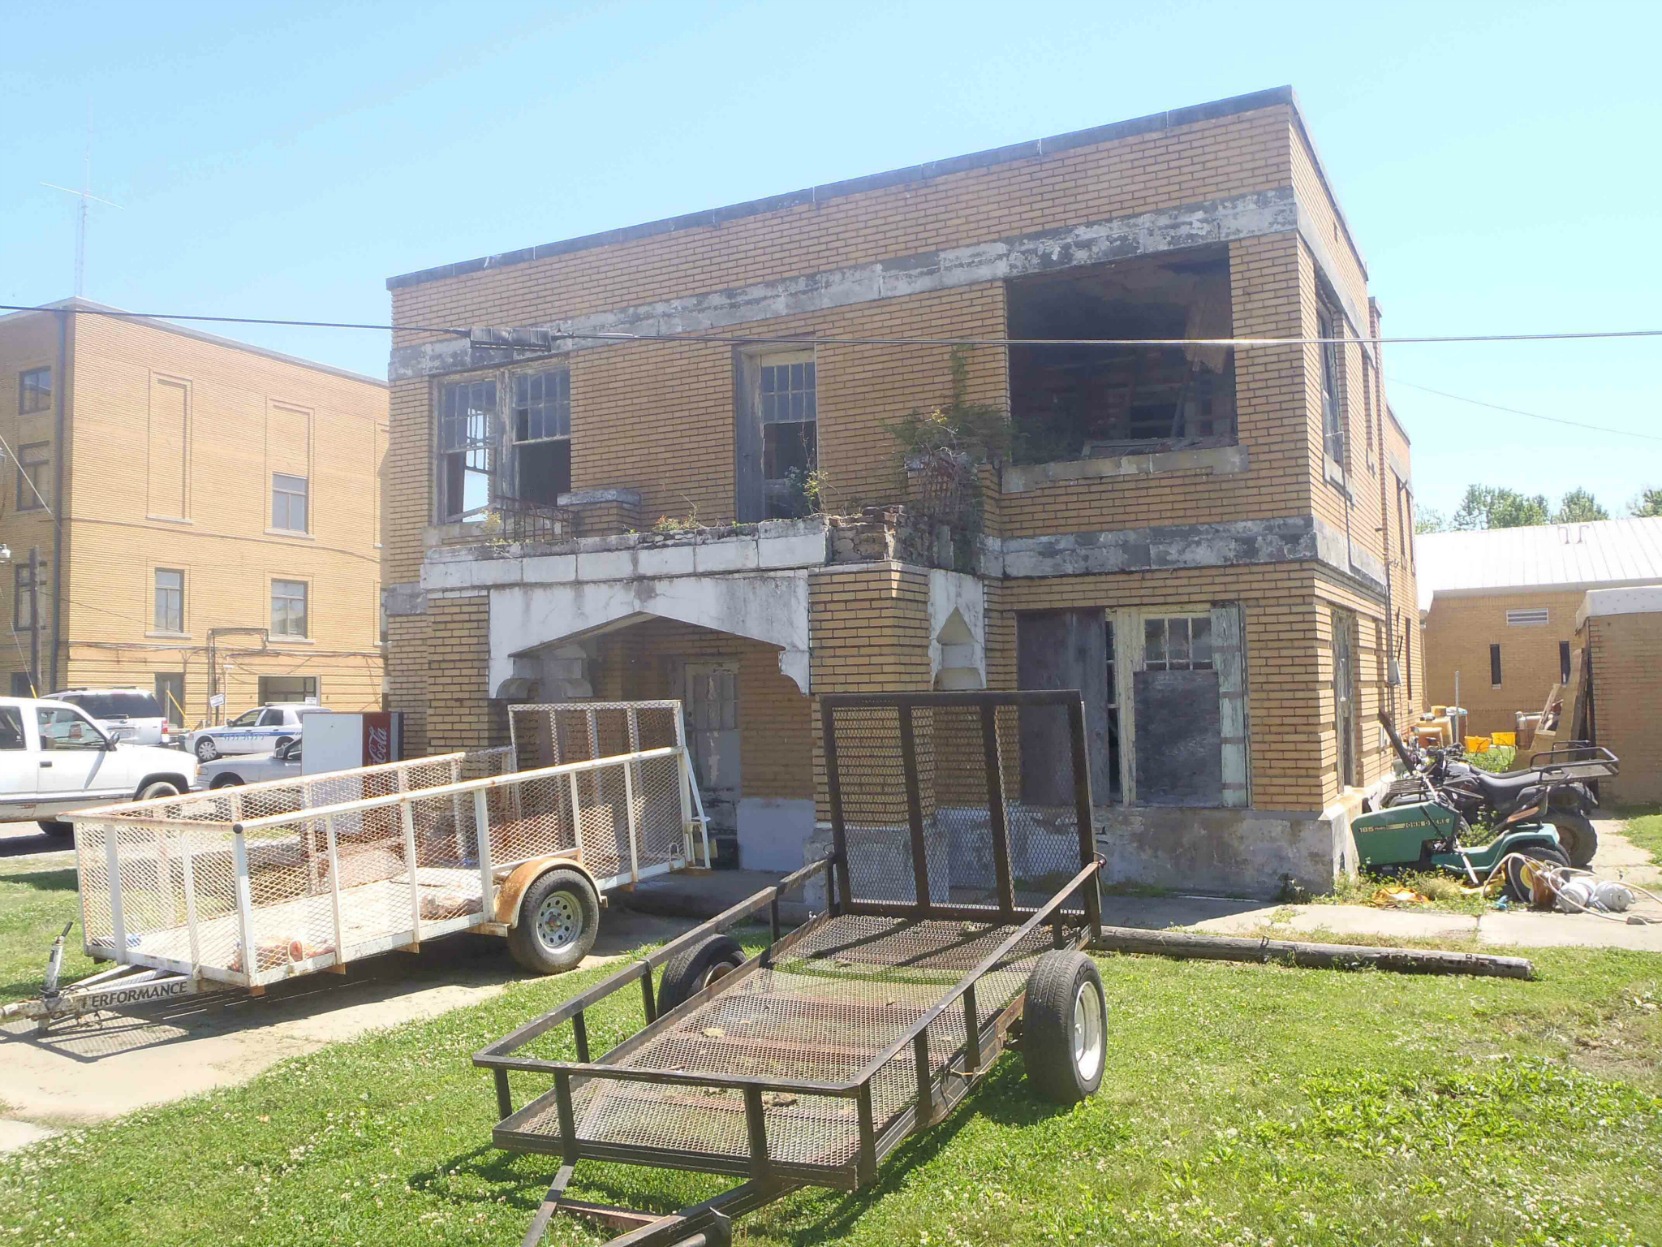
{"points": [[103, 1067], [16, 1134], [1532, 930], [1417, 924]]}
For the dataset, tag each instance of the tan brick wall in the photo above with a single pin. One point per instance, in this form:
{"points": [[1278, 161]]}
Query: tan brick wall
{"points": [[1458, 633], [1627, 692], [244, 415], [458, 690]]}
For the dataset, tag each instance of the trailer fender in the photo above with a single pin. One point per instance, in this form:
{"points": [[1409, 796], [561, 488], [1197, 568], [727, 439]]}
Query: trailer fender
{"points": [[525, 874]]}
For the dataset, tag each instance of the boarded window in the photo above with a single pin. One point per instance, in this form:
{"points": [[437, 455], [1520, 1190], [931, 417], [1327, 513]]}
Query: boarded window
{"points": [[169, 449], [1333, 407], [1178, 714], [1344, 697], [1066, 650]]}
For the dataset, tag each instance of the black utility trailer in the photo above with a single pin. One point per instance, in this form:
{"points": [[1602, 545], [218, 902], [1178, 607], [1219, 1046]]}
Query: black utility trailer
{"points": [[961, 883]]}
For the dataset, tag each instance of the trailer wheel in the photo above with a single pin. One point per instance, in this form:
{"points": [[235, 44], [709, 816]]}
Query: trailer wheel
{"points": [[1064, 1027], [693, 969], [1519, 874], [559, 916], [1576, 833]]}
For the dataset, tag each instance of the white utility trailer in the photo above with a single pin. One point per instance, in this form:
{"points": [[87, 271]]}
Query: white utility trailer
{"points": [[249, 886]]}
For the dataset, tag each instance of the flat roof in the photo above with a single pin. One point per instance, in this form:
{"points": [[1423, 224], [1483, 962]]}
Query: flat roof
{"points": [[87, 305], [1152, 123], [1561, 557]]}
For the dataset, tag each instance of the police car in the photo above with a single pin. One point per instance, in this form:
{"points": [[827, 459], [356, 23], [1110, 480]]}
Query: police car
{"points": [[259, 730]]}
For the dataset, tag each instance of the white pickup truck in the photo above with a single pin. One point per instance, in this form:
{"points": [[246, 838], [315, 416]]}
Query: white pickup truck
{"points": [[54, 759]]}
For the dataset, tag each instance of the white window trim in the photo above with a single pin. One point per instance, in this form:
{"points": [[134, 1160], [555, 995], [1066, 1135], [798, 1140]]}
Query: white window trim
{"points": [[1128, 660]]}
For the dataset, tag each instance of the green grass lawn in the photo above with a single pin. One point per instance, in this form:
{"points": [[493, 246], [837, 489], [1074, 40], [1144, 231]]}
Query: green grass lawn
{"points": [[1243, 1104], [1644, 829], [37, 896]]}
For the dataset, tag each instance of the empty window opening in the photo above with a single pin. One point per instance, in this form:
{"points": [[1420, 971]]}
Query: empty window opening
{"points": [[1563, 662], [467, 415], [778, 433], [1071, 402], [170, 691], [542, 435], [1494, 665]]}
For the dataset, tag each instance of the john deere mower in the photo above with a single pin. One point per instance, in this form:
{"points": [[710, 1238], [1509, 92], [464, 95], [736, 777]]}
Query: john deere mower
{"points": [[1425, 835]]}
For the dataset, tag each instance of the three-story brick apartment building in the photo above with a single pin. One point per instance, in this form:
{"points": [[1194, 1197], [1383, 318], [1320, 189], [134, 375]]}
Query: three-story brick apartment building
{"points": [[204, 515], [689, 471]]}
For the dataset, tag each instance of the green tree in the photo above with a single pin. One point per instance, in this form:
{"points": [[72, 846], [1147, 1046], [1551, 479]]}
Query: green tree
{"points": [[1579, 507], [1647, 504], [1488, 506], [1429, 520]]}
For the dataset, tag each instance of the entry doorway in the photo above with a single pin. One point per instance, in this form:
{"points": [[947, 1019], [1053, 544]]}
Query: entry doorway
{"points": [[710, 696]]}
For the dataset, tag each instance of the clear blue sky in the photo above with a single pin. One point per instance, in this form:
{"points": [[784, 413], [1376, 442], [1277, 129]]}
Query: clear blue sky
{"points": [[1498, 162]]}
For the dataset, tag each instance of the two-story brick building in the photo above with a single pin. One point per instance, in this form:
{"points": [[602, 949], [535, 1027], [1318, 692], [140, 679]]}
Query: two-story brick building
{"points": [[204, 515], [678, 476]]}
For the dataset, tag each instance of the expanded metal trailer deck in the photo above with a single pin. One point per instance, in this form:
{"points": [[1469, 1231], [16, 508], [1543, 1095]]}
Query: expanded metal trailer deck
{"points": [[962, 876], [249, 886]]}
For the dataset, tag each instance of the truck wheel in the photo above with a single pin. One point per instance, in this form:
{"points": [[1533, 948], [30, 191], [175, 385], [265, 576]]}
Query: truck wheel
{"points": [[1064, 1027], [56, 827], [1519, 874], [206, 750], [157, 789], [693, 969], [559, 916], [1576, 834]]}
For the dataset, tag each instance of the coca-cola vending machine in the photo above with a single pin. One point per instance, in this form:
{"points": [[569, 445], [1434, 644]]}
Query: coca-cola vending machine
{"points": [[343, 740]]}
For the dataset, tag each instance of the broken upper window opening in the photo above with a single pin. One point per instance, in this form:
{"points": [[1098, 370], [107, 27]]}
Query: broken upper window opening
{"points": [[777, 434], [1333, 409], [467, 418], [542, 435], [1072, 402]]}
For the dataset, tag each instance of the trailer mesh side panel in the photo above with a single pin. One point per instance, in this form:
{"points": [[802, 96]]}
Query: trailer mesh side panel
{"points": [[160, 880], [852, 988], [962, 756], [555, 733]]}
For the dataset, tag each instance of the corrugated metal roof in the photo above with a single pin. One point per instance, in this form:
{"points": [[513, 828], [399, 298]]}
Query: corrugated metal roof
{"points": [[1548, 556]]}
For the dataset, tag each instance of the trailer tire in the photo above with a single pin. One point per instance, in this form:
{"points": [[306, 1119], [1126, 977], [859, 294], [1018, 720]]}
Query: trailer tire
{"points": [[693, 969], [1576, 834], [559, 916], [1064, 1027], [1517, 880]]}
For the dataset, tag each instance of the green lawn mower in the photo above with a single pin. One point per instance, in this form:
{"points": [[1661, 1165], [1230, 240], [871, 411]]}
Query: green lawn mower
{"points": [[1425, 835]]}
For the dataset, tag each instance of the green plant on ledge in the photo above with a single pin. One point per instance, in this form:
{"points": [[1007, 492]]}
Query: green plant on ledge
{"points": [[978, 432]]}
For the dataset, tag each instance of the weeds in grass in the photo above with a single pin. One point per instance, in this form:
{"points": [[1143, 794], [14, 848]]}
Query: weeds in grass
{"points": [[1443, 890]]}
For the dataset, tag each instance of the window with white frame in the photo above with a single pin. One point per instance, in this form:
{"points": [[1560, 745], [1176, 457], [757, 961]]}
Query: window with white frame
{"points": [[778, 433], [466, 447], [170, 600], [289, 502], [541, 429], [289, 608]]}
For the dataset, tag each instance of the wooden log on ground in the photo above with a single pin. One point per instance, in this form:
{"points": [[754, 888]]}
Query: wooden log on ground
{"points": [[1187, 945]]}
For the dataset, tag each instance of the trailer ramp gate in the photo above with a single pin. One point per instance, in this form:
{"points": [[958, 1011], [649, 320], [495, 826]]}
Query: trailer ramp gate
{"points": [[251, 885], [962, 851]]}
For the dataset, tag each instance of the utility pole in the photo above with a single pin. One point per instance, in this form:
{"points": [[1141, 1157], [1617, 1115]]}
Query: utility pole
{"points": [[34, 620]]}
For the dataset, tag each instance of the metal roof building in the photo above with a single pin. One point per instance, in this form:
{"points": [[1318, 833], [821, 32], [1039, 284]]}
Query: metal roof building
{"points": [[1558, 557]]}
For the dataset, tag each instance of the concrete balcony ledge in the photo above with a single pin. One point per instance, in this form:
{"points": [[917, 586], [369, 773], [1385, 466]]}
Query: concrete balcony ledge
{"points": [[772, 545]]}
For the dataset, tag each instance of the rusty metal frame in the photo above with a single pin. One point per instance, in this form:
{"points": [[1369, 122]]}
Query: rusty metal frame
{"points": [[943, 1078]]}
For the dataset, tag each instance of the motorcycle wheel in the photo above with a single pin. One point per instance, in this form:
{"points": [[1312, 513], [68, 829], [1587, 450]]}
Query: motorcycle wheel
{"points": [[1576, 834]]}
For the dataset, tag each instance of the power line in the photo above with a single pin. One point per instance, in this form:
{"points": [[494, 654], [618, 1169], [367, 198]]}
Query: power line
{"points": [[1533, 415], [800, 339]]}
